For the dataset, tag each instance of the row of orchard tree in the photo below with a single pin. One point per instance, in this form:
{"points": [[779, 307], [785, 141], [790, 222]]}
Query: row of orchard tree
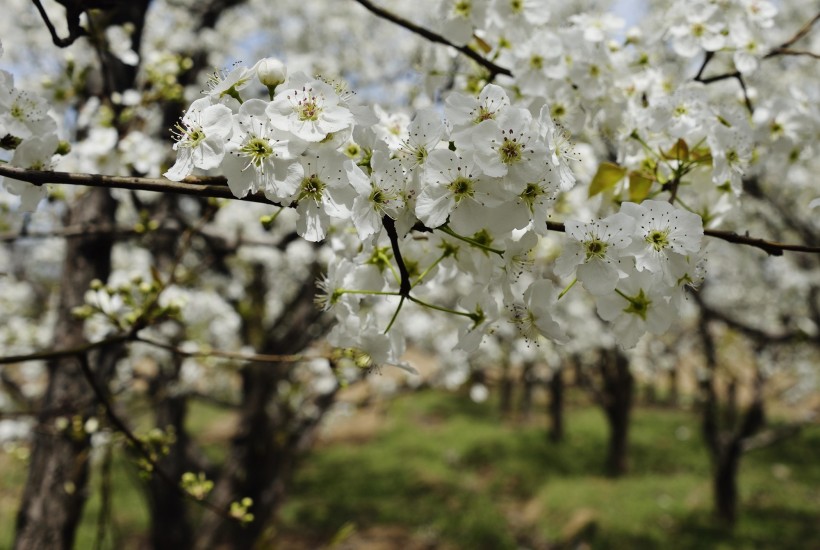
{"points": [[523, 147]]}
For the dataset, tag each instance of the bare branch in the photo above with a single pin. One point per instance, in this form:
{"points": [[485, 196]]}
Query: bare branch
{"points": [[139, 444], [785, 47], [434, 37]]}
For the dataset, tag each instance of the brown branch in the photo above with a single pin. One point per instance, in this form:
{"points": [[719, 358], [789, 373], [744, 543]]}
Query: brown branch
{"points": [[61, 353], [248, 357], [434, 37], [208, 187], [770, 247], [75, 31], [216, 187], [799, 53], [785, 46]]}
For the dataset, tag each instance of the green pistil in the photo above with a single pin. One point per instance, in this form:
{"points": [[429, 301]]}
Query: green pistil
{"points": [[595, 248], [309, 110], [312, 187], [258, 149], [531, 194], [189, 137], [638, 304], [463, 8], [461, 187], [510, 151], [421, 155], [483, 114], [483, 239], [658, 239]]}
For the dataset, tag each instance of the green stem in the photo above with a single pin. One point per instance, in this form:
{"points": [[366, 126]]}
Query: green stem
{"points": [[440, 308], [429, 269], [395, 316], [470, 241], [569, 286]]}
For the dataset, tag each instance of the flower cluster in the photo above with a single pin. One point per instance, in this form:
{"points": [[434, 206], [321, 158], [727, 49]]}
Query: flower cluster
{"points": [[479, 184], [636, 263], [27, 128]]}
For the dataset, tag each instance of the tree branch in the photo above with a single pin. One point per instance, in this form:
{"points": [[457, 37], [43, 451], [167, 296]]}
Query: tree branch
{"points": [[146, 453], [434, 37], [785, 47], [216, 187]]}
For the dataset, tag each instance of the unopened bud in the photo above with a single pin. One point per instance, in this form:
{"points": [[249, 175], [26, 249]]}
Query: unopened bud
{"points": [[271, 72]]}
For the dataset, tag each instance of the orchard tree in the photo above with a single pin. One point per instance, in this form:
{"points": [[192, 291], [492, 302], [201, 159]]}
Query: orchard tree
{"points": [[520, 148]]}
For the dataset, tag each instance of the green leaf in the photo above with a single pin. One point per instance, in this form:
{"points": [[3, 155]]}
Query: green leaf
{"points": [[639, 186], [607, 176], [679, 151]]}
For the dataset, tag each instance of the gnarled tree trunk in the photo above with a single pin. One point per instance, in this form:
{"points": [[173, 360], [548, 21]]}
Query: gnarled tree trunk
{"points": [[56, 488]]}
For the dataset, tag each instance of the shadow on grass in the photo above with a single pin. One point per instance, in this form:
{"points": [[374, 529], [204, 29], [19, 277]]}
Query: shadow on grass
{"points": [[367, 491], [758, 528]]}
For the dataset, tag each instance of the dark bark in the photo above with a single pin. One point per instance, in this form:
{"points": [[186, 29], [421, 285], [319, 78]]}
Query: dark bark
{"points": [[618, 390], [505, 389], [270, 436], [556, 406], [527, 388], [56, 487], [170, 524], [726, 443], [672, 398], [55, 490]]}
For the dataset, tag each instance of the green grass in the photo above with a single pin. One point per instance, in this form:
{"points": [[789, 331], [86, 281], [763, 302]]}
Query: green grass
{"points": [[446, 466], [451, 472]]}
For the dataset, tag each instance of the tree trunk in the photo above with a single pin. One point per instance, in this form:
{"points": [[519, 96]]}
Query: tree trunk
{"points": [[556, 406], [270, 438], [724, 483], [672, 397], [170, 525], [618, 390], [527, 388], [505, 388], [56, 488]]}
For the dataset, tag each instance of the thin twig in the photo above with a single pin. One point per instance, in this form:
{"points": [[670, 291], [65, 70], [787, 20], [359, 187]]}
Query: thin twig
{"points": [[434, 37], [120, 425], [785, 46], [770, 247], [249, 357]]}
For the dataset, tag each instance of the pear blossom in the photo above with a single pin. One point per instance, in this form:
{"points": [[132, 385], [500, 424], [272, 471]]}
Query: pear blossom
{"points": [[35, 153], [594, 251], [534, 317], [309, 109], [664, 236], [425, 131], [465, 112], [509, 146], [258, 160], [323, 191], [378, 195], [460, 17], [201, 137], [640, 305]]}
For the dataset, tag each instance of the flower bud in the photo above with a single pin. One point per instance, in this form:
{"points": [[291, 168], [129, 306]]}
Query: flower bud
{"points": [[271, 72]]}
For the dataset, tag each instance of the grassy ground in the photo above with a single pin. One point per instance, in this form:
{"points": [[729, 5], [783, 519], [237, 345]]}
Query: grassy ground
{"points": [[432, 470], [448, 470]]}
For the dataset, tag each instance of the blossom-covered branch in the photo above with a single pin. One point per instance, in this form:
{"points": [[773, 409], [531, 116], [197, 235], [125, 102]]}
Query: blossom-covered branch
{"points": [[216, 187]]}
